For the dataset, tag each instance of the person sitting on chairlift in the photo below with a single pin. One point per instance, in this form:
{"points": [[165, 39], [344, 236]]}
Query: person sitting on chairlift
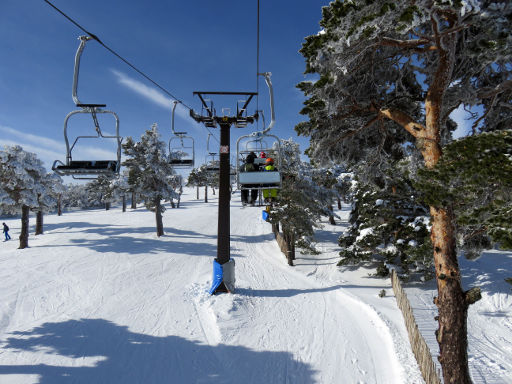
{"points": [[270, 194], [249, 166]]}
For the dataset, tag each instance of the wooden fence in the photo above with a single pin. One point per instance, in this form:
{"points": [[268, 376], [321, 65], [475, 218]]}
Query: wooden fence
{"points": [[419, 346], [287, 245]]}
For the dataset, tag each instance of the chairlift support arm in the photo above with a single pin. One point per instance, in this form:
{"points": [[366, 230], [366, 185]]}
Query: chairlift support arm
{"points": [[271, 93]]}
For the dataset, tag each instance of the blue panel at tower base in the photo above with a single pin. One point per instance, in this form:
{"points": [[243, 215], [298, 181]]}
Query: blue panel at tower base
{"points": [[264, 215], [217, 277]]}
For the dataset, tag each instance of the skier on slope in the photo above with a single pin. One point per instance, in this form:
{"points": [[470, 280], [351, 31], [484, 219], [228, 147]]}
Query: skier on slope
{"points": [[6, 232]]}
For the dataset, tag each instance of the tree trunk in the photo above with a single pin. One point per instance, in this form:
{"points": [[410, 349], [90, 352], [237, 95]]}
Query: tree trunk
{"points": [[158, 216], [331, 216], [197, 192], [124, 203], [339, 202], [39, 222], [213, 189], [25, 212], [134, 200], [206, 194], [59, 205], [451, 302], [288, 239], [173, 205], [107, 206]]}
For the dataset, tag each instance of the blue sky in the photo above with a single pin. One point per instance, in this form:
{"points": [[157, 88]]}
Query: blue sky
{"points": [[197, 45]]}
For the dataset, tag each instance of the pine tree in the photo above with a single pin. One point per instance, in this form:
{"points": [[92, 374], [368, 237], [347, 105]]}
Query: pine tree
{"points": [[20, 179], [390, 226], [150, 172], [390, 74], [200, 177], [301, 200]]}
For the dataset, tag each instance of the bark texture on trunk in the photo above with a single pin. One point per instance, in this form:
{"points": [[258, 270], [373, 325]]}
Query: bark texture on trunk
{"points": [[25, 212], [197, 192], [39, 223], [451, 300], [331, 216], [158, 216], [134, 200], [107, 206], [59, 205], [206, 194], [124, 203]]}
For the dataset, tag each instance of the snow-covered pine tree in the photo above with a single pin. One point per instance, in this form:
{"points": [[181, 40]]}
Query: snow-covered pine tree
{"points": [[389, 225], [325, 177], [100, 191], [21, 173], [193, 180], [76, 196], [150, 172], [392, 72], [121, 187], [178, 188], [301, 201], [200, 177]]}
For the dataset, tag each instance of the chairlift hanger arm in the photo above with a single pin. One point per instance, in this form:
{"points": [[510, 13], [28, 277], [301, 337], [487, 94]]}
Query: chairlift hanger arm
{"points": [[78, 55], [271, 93], [245, 105], [210, 112]]}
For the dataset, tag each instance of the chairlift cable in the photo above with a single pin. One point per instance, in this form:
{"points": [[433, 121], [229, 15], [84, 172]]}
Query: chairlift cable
{"points": [[117, 55], [92, 35], [258, 60]]}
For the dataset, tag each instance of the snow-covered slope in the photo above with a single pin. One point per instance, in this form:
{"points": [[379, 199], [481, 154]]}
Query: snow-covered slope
{"points": [[100, 299]]}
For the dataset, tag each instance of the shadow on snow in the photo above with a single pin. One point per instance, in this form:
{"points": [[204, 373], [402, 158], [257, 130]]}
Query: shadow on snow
{"points": [[123, 239], [109, 353], [283, 292]]}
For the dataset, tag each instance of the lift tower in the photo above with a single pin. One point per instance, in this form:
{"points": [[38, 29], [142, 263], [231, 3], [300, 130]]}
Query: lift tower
{"points": [[209, 118]]}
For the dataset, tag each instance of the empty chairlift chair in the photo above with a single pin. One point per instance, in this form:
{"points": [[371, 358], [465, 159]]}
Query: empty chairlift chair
{"points": [[181, 147], [87, 169]]}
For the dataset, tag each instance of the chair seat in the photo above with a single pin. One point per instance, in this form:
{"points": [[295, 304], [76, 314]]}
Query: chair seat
{"points": [[184, 162], [89, 166], [264, 179]]}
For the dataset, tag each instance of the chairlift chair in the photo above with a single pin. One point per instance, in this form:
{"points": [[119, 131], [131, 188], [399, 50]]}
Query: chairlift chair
{"points": [[212, 160], [259, 179], [181, 147], [260, 141], [87, 169]]}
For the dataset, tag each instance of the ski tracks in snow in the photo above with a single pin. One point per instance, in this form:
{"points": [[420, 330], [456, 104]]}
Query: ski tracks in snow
{"points": [[267, 310]]}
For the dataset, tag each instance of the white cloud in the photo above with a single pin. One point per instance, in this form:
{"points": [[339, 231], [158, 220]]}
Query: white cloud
{"points": [[155, 96], [142, 89], [39, 141]]}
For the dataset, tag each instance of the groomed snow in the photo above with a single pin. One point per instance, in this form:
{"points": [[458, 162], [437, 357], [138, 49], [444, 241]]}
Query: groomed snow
{"points": [[100, 299]]}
